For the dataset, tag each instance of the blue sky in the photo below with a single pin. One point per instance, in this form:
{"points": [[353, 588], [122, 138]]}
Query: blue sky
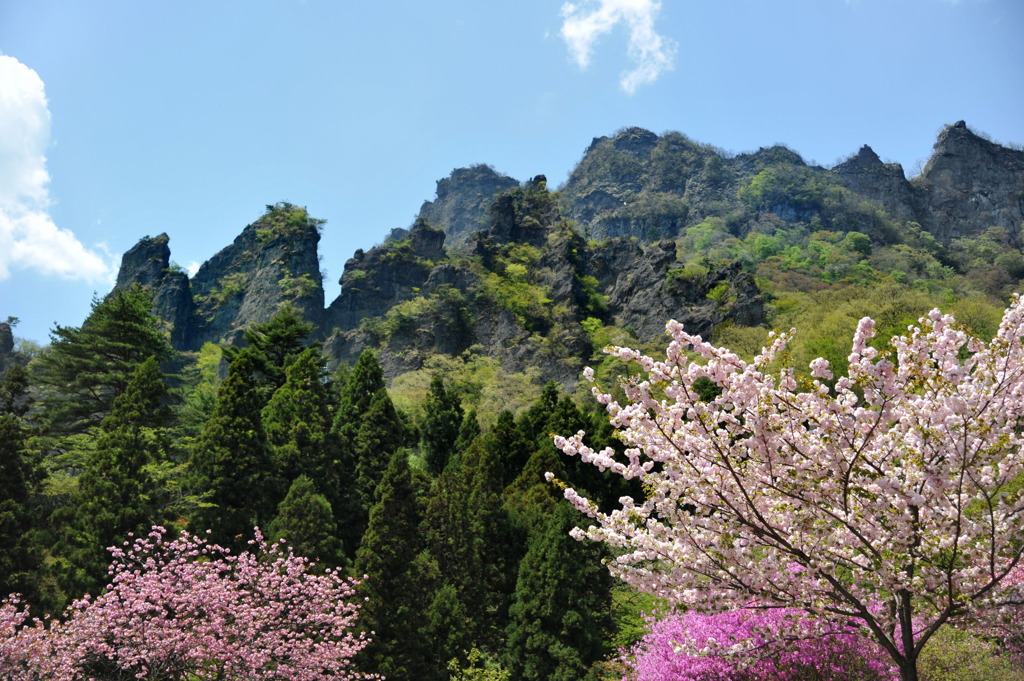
{"points": [[120, 119]]}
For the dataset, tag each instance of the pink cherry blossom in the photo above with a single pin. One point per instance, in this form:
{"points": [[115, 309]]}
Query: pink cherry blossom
{"points": [[896, 489], [186, 609]]}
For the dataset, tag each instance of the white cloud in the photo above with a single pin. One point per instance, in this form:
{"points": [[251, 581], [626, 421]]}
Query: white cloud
{"points": [[652, 54], [29, 239]]}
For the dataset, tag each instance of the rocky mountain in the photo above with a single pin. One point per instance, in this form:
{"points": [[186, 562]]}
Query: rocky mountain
{"points": [[524, 275]]}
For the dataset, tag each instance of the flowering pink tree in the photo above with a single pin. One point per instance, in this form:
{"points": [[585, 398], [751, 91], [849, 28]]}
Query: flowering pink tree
{"points": [[894, 493], [185, 609]]}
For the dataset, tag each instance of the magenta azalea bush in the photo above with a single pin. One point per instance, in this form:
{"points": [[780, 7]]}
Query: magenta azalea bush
{"points": [[187, 609], [742, 645]]}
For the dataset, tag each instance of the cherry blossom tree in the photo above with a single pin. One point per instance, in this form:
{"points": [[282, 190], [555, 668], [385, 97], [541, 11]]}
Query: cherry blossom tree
{"points": [[891, 497], [183, 608]]}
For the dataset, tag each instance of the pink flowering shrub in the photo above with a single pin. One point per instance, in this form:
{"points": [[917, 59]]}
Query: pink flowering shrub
{"points": [[186, 609], [839, 656]]}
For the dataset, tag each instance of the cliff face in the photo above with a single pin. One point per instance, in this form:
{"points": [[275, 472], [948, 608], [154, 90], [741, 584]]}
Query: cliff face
{"points": [[519, 274], [520, 292], [463, 200], [272, 262], [866, 175], [970, 184], [148, 263]]}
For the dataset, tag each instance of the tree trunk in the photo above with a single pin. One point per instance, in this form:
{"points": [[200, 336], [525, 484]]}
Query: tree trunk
{"points": [[908, 671]]}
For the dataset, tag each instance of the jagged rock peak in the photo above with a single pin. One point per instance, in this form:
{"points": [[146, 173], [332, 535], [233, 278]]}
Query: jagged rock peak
{"points": [[462, 201], [145, 263], [635, 140], [969, 184]]}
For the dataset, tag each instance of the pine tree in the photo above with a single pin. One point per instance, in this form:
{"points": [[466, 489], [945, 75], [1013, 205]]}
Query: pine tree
{"points": [[306, 521], [231, 465], [116, 494], [560, 615], [395, 587], [276, 344], [85, 369], [442, 419]]}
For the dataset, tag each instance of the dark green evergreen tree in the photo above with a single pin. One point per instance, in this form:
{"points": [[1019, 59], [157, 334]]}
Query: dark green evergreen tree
{"points": [[533, 424], [560, 617], [442, 419], [297, 421], [469, 431], [231, 466], [511, 449], [18, 559], [367, 431], [306, 521], [276, 344], [116, 494], [379, 436], [364, 380], [390, 556], [85, 369]]}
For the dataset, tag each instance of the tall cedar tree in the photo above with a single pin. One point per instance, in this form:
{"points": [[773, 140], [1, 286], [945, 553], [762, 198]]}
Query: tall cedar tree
{"points": [[18, 564], [511, 449], [231, 464], [389, 556], [297, 420], [85, 369], [364, 380], [560, 617], [367, 431], [470, 538], [276, 344], [442, 419], [116, 495], [306, 521]]}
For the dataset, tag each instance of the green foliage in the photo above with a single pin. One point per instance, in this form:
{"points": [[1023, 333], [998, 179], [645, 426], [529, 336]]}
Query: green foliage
{"points": [[797, 187], [446, 304], [302, 286], [283, 218], [480, 667], [86, 368], [527, 301], [297, 420], [18, 560], [275, 345], [395, 582], [306, 521], [956, 655], [481, 382], [231, 464], [116, 493], [560, 616], [442, 419]]}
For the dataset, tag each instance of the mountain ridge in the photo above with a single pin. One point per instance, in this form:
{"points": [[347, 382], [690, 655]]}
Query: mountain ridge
{"points": [[514, 271]]}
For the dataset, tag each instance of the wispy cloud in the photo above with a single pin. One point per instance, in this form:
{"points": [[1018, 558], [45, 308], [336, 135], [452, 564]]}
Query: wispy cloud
{"points": [[29, 239], [651, 53]]}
